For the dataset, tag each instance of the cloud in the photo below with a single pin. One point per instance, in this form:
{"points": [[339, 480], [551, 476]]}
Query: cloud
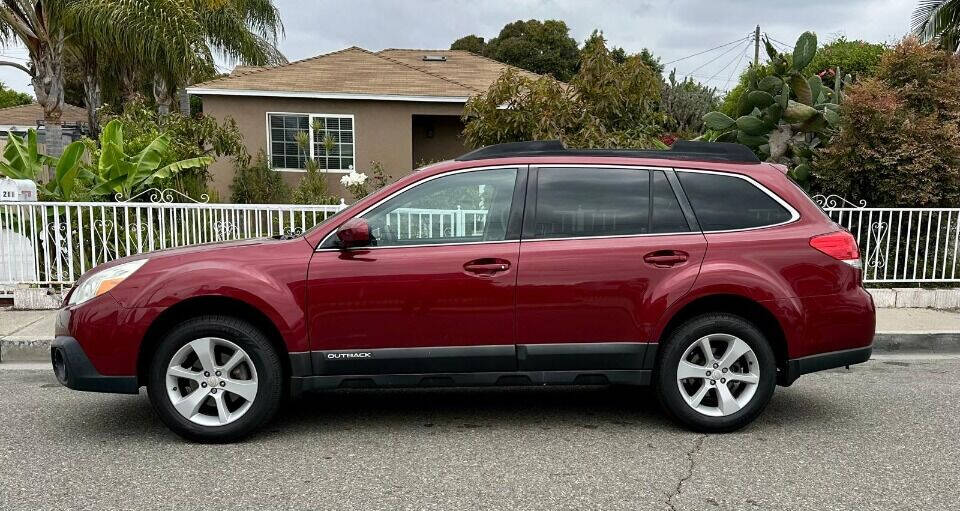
{"points": [[672, 29]]}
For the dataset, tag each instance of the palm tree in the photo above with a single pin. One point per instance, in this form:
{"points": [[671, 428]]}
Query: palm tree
{"points": [[37, 24], [243, 31], [151, 30], [938, 20]]}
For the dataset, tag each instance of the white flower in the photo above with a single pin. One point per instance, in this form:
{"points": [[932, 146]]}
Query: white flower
{"points": [[354, 178]]}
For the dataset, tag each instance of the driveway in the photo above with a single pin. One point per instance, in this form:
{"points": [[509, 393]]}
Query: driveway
{"points": [[883, 435]]}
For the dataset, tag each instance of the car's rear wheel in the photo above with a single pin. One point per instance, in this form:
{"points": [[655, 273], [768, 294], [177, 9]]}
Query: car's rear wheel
{"points": [[716, 373], [215, 379]]}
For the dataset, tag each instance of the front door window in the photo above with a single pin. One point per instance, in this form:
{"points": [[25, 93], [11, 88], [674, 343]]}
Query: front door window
{"points": [[457, 208]]}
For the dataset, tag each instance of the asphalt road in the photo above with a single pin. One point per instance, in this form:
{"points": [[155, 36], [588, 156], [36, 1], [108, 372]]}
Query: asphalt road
{"points": [[883, 435]]}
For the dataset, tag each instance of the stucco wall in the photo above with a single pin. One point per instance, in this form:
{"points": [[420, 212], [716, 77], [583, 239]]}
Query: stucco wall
{"points": [[382, 131], [437, 137]]}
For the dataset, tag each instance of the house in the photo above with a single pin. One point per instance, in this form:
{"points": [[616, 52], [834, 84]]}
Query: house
{"points": [[400, 107], [19, 119]]}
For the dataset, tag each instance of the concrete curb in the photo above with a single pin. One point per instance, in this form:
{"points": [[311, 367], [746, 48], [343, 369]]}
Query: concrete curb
{"points": [[15, 348], [912, 298], [917, 342], [37, 349]]}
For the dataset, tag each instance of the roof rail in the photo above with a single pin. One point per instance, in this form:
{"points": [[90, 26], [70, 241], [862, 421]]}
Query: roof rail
{"points": [[681, 150]]}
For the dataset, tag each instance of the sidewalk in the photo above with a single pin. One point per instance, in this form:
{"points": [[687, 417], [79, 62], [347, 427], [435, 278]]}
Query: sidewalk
{"points": [[26, 335]]}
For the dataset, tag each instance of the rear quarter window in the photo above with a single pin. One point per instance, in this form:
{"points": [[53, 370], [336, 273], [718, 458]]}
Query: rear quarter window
{"points": [[723, 203]]}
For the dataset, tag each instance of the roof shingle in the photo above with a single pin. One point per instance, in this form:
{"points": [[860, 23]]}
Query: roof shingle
{"points": [[354, 70], [28, 115]]}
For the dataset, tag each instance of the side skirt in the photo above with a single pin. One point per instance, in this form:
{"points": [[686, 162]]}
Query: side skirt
{"points": [[595, 363], [478, 379]]}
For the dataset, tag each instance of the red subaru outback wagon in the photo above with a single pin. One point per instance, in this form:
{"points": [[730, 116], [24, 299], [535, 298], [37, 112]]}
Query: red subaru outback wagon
{"points": [[698, 270]]}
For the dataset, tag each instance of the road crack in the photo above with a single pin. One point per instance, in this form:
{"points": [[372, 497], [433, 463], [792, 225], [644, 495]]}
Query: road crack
{"points": [[697, 445]]}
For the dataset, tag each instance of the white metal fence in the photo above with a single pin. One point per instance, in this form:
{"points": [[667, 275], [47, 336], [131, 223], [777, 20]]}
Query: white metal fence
{"points": [[53, 243], [901, 244], [416, 223]]}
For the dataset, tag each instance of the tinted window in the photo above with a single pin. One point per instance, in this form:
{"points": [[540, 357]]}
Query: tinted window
{"points": [[464, 207], [577, 202], [726, 202], [667, 215]]}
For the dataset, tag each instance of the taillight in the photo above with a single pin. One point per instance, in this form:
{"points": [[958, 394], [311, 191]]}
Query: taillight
{"points": [[838, 245]]}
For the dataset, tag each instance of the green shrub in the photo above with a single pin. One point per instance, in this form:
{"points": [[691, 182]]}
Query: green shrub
{"points": [[257, 183], [685, 103], [899, 137], [859, 59]]}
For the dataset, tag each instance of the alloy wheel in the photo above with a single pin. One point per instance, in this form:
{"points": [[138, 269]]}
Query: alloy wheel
{"points": [[211, 381], [718, 375]]}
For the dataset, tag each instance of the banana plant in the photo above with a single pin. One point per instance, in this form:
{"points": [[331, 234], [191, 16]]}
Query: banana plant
{"points": [[785, 116], [23, 160], [117, 172]]}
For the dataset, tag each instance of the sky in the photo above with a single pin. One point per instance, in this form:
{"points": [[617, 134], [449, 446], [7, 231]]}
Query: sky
{"points": [[671, 29]]}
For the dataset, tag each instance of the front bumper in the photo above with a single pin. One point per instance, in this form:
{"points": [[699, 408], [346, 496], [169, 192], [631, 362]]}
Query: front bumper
{"points": [[74, 370], [797, 367]]}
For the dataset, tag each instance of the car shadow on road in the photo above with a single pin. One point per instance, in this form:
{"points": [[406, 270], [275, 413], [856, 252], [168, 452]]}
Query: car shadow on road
{"points": [[535, 408]]}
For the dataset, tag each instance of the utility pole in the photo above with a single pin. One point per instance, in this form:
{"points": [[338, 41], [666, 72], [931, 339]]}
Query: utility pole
{"points": [[756, 47]]}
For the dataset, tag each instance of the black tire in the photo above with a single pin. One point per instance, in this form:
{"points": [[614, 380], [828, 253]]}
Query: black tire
{"points": [[671, 351], [265, 360]]}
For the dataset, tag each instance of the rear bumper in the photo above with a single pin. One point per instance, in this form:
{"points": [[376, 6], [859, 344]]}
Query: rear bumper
{"points": [[797, 367], [74, 370]]}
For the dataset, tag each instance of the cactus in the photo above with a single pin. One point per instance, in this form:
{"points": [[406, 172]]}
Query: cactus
{"points": [[786, 115]]}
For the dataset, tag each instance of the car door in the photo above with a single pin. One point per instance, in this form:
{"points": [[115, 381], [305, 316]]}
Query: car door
{"points": [[436, 290], [604, 252]]}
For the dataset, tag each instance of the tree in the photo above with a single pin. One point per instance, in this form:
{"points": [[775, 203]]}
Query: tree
{"points": [[471, 43], [605, 104], [37, 24], [542, 47], [619, 55], [900, 127], [172, 44], [938, 20], [856, 58], [10, 97], [47, 27]]}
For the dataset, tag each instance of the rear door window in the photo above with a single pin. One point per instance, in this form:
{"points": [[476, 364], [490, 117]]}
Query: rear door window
{"points": [[725, 202], [585, 202]]}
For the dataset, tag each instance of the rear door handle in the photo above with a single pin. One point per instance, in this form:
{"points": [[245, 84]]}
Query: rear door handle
{"points": [[486, 266], [666, 258]]}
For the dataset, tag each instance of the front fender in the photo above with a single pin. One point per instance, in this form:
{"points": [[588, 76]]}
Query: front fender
{"points": [[268, 277]]}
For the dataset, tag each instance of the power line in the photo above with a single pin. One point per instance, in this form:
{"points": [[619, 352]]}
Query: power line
{"points": [[732, 48], [742, 52], [706, 51], [726, 85], [781, 43]]}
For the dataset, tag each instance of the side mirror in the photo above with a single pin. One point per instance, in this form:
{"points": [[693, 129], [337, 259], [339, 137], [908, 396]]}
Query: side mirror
{"points": [[354, 233]]}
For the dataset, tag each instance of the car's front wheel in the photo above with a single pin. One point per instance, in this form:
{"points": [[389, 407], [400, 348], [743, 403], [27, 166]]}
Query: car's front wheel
{"points": [[215, 379], [716, 373]]}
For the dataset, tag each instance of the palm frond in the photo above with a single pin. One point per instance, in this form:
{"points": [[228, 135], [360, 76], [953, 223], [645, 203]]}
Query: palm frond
{"points": [[937, 20]]}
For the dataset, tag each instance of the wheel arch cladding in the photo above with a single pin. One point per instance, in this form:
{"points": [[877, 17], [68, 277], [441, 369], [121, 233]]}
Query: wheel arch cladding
{"points": [[206, 306], [737, 305]]}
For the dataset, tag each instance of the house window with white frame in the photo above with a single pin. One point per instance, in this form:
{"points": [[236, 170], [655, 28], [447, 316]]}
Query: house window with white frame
{"points": [[331, 135]]}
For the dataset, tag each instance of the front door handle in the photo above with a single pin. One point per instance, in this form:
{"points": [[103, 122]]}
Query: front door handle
{"points": [[486, 266], [666, 258]]}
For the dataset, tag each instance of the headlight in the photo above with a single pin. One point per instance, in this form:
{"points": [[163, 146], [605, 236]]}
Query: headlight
{"points": [[103, 281]]}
